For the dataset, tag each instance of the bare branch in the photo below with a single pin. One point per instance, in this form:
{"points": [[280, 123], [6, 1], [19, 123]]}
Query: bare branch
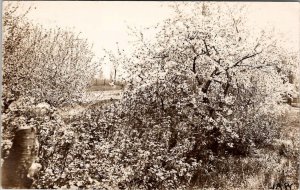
{"points": [[243, 59]]}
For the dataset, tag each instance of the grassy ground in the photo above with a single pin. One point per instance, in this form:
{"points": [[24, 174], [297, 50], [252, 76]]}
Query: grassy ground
{"points": [[279, 164], [273, 167], [105, 88]]}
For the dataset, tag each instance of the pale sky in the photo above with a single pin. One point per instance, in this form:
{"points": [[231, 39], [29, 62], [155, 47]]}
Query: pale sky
{"points": [[105, 23]]}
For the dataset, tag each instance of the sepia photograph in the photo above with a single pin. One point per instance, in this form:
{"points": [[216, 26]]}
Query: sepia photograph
{"points": [[150, 95]]}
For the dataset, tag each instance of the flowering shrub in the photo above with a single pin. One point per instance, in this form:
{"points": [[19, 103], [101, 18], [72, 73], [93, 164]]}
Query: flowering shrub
{"points": [[51, 65], [103, 148]]}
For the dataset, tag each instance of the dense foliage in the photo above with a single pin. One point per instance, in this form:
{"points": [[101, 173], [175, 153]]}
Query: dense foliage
{"points": [[52, 65]]}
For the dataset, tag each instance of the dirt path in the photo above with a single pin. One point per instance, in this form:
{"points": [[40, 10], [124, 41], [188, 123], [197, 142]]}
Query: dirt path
{"points": [[91, 98]]}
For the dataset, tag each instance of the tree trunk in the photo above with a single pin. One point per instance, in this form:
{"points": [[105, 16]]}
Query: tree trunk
{"points": [[21, 157]]}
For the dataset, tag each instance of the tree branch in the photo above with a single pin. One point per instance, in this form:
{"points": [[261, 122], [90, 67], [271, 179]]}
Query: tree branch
{"points": [[244, 58]]}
